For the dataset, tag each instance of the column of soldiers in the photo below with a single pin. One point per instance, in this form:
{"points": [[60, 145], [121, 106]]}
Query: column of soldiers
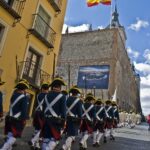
{"points": [[58, 113]]}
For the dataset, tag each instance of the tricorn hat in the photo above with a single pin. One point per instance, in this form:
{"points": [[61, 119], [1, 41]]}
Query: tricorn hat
{"points": [[75, 89], [65, 92], [108, 101], [89, 97], [45, 85], [22, 85], [58, 81], [98, 102], [114, 103]]}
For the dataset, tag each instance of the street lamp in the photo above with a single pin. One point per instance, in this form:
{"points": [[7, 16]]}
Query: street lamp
{"points": [[84, 79], [94, 87]]}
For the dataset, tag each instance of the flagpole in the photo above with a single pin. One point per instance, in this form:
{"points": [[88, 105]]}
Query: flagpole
{"points": [[110, 13]]}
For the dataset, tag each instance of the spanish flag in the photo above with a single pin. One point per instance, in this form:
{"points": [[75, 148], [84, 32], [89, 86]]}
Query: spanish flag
{"points": [[105, 2], [91, 3]]}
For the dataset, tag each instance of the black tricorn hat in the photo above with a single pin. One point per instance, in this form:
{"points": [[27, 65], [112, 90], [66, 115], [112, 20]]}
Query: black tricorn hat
{"points": [[45, 85], [108, 101], [58, 81], [22, 85], [75, 89], [89, 97], [98, 102]]}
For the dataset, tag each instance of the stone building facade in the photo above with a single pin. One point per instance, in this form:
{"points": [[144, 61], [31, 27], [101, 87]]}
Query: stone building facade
{"points": [[101, 47]]}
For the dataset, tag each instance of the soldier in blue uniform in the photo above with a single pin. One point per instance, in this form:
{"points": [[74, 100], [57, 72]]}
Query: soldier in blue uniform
{"points": [[88, 119], [38, 119], [16, 118], [74, 114], [1, 100], [54, 108], [109, 120], [116, 114], [99, 124]]}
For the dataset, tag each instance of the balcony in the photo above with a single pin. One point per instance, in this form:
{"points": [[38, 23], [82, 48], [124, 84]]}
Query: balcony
{"points": [[14, 7], [43, 31], [56, 4], [32, 73]]}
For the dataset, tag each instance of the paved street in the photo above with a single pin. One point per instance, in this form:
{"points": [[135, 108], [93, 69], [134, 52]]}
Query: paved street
{"points": [[126, 139]]}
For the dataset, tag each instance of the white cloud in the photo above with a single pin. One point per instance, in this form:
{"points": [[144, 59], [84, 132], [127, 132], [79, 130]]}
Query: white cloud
{"points": [[132, 53], [73, 29], [147, 55], [138, 25], [148, 34], [100, 27], [143, 68]]}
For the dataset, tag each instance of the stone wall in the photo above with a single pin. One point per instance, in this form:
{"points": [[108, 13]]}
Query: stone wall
{"points": [[101, 47]]}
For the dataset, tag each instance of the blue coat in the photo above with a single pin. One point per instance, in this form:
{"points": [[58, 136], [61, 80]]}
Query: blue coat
{"points": [[59, 107], [21, 106], [40, 99], [1, 103], [77, 109], [116, 113], [110, 112], [72, 125], [92, 112], [102, 114]]}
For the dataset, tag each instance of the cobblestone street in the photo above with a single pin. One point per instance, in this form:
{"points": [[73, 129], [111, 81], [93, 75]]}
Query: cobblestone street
{"points": [[126, 139]]}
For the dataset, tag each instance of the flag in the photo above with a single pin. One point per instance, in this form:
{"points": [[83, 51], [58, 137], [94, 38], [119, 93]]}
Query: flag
{"points": [[105, 2], [91, 3]]}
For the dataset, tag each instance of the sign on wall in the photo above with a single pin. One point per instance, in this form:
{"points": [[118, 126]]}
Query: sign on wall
{"points": [[93, 77]]}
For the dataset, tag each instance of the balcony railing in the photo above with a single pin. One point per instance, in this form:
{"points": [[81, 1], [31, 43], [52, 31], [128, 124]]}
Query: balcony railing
{"points": [[32, 73], [43, 31], [56, 4], [14, 7]]}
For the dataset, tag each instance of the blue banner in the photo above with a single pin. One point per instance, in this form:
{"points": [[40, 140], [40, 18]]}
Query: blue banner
{"points": [[93, 77]]}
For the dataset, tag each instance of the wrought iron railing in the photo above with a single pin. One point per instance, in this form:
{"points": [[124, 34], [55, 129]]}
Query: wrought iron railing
{"points": [[33, 73], [14, 7], [56, 4], [43, 31]]}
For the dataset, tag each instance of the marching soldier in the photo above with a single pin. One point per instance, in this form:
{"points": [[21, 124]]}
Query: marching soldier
{"points": [[116, 114], [109, 120], [54, 109], [74, 114], [99, 124], [16, 118], [88, 118], [38, 119], [1, 101]]}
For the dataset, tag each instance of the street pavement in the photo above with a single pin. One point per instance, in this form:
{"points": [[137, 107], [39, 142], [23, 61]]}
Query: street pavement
{"points": [[126, 139]]}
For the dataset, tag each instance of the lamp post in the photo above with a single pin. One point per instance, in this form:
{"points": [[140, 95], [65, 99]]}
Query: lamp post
{"points": [[94, 87], [84, 79]]}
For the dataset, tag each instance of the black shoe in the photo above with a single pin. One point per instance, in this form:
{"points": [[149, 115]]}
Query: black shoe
{"points": [[95, 145], [112, 137], [81, 147], [105, 140]]}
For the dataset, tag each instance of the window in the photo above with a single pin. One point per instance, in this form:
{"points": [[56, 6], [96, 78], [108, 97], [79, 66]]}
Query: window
{"points": [[42, 22], [32, 66], [3, 32], [9, 2]]}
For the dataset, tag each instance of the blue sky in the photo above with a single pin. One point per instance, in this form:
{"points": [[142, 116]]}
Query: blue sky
{"points": [[134, 15]]}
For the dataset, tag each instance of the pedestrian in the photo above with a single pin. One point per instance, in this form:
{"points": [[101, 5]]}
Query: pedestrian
{"points": [[109, 120], [54, 108], [74, 114], [116, 114], [16, 119], [99, 124], [1, 101], [88, 119], [38, 118], [148, 121]]}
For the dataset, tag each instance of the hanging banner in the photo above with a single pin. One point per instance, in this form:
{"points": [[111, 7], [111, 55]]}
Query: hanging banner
{"points": [[93, 77]]}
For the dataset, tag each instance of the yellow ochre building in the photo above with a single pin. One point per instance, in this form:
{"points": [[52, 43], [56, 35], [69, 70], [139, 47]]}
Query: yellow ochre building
{"points": [[30, 34]]}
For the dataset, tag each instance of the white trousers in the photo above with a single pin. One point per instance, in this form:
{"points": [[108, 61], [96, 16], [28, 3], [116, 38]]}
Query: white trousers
{"points": [[84, 139], [68, 143]]}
